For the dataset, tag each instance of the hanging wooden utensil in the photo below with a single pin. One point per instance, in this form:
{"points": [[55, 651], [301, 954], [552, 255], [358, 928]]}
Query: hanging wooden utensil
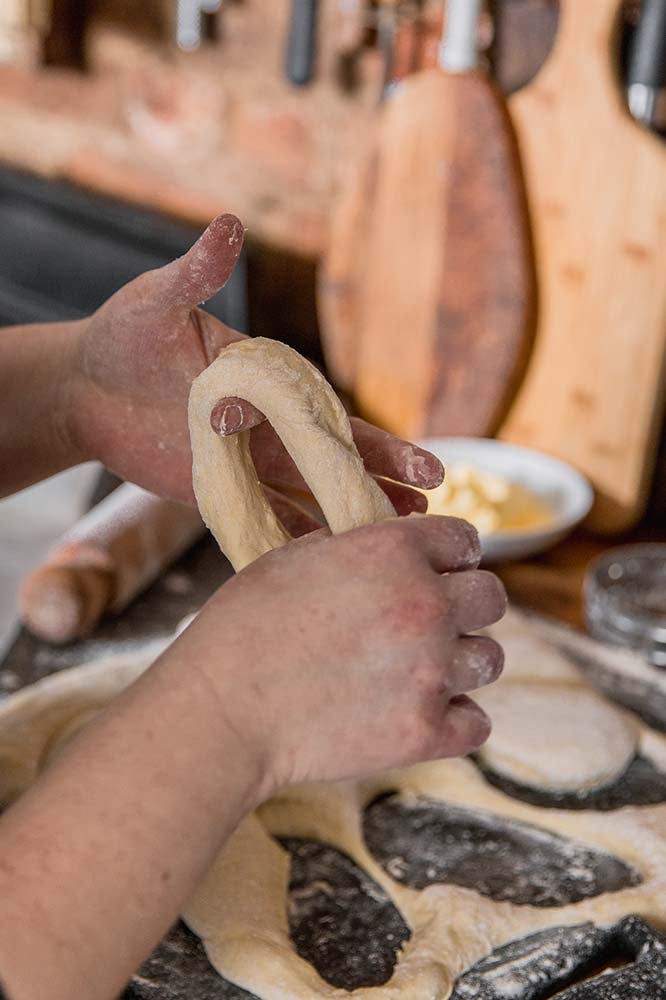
{"points": [[426, 289], [596, 183]]}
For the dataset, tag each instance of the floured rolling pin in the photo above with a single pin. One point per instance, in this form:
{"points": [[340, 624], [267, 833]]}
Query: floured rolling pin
{"points": [[104, 561]]}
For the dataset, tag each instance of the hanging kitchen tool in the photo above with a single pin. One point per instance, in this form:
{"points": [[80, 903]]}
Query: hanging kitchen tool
{"points": [[406, 55], [646, 70], [349, 32], [425, 292], [301, 42], [195, 21], [339, 274], [64, 41], [596, 184]]}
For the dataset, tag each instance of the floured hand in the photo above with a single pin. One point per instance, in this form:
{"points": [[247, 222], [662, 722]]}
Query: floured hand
{"points": [[136, 358], [366, 632]]}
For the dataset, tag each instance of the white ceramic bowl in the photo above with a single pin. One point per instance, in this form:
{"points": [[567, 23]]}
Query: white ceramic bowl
{"points": [[564, 490]]}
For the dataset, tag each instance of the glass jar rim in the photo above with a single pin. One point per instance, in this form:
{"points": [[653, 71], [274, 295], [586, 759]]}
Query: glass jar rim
{"points": [[603, 591]]}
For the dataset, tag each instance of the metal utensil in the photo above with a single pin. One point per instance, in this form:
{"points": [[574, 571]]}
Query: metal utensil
{"points": [[301, 42], [646, 71]]}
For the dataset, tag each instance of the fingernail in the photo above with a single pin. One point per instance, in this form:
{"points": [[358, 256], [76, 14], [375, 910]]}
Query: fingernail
{"points": [[232, 228], [472, 536], [424, 469], [237, 233], [473, 721], [470, 542], [487, 664], [419, 503], [226, 418]]}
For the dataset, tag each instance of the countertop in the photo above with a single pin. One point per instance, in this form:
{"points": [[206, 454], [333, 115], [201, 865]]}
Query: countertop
{"points": [[552, 583]]}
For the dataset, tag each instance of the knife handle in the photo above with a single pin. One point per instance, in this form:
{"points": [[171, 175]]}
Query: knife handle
{"points": [[188, 25], [459, 49], [301, 41], [646, 71]]}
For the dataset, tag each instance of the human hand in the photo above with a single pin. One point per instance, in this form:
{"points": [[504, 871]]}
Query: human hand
{"points": [[134, 362], [336, 657]]}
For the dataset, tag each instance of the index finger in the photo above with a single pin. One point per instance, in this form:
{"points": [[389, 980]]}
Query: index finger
{"points": [[393, 458]]}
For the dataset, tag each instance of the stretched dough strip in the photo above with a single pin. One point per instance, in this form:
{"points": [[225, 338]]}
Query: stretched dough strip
{"points": [[37, 721], [314, 428]]}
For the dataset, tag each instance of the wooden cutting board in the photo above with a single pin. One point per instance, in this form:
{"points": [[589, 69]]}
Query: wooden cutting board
{"points": [[596, 184], [425, 291]]}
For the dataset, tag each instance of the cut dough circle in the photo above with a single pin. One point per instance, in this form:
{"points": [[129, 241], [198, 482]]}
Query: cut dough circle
{"points": [[556, 737], [312, 424]]}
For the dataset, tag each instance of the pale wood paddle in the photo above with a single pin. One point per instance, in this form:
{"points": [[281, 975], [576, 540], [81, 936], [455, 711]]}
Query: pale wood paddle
{"points": [[594, 393]]}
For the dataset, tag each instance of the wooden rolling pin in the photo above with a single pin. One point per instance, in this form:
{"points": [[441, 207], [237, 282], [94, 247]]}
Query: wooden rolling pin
{"points": [[104, 561]]}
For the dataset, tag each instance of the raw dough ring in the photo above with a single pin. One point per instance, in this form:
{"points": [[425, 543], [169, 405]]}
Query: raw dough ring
{"points": [[310, 421]]}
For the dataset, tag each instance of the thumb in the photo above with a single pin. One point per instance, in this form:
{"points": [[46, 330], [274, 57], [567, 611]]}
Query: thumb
{"points": [[205, 268]]}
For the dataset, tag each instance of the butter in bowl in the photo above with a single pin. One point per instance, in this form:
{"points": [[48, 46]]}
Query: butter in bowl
{"points": [[521, 501]]}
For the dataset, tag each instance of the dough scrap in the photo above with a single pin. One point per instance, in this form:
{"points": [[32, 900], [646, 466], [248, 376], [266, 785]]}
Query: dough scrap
{"points": [[36, 721], [240, 910], [557, 737]]}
